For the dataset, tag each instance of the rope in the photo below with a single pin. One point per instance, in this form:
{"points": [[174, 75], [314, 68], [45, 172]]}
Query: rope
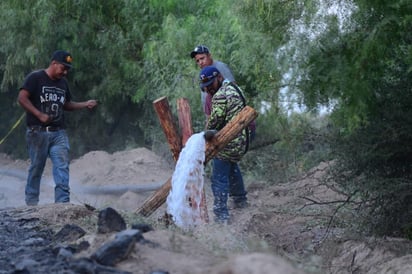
{"points": [[13, 128]]}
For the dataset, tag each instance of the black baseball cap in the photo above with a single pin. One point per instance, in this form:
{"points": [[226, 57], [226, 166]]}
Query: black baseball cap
{"points": [[63, 57], [199, 50]]}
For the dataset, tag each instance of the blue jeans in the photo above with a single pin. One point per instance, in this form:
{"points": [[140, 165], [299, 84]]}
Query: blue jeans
{"points": [[227, 181], [40, 145]]}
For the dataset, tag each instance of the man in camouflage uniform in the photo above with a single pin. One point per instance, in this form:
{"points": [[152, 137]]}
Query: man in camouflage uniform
{"points": [[227, 102]]}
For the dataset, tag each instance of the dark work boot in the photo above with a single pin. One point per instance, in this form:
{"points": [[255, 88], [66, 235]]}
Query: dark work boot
{"points": [[242, 204], [239, 201]]}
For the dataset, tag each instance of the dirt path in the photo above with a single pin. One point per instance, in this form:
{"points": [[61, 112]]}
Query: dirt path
{"points": [[279, 231]]}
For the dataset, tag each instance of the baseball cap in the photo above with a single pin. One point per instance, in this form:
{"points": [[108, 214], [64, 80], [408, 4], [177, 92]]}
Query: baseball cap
{"points": [[63, 57], [199, 50], [207, 76]]}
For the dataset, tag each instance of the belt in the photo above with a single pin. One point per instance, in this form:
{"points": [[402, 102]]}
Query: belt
{"points": [[47, 129]]}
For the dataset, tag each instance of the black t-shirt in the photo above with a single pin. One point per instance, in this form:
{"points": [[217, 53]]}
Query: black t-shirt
{"points": [[48, 96]]}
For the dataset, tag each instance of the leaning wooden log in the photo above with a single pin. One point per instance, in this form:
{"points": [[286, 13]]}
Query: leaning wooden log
{"points": [[168, 125], [186, 129], [220, 140]]}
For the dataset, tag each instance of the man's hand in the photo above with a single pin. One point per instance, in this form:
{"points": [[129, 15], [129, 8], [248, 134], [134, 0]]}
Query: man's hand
{"points": [[91, 104], [45, 118], [209, 134]]}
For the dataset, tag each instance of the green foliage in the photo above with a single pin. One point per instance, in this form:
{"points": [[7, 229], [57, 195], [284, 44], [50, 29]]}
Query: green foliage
{"points": [[357, 62], [347, 62], [128, 53], [105, 39], [294, 145], [373, 145], [375, 164], [13, 137]]}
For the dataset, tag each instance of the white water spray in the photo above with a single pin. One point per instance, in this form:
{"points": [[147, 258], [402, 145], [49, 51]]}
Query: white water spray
{"points": [[184, 199]]}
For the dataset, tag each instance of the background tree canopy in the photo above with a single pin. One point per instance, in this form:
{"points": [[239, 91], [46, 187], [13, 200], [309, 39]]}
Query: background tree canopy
{"points": [[126, 54], [352, 57]]}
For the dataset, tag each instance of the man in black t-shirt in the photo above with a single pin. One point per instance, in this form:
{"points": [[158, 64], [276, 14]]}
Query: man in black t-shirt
{"points": [[45, 95]]}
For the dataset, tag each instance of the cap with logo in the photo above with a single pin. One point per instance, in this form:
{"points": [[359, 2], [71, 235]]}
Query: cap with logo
{"points": [[63, 57], [207, 76], [199, 50]]}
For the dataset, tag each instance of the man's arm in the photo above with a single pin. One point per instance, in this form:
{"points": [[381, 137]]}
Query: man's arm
{"points": [[24, 100], [79, 105], [217, 117]]}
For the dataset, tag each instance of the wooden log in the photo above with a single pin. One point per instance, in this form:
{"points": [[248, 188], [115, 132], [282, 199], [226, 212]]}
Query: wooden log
{"points": [[185, 119], [229, 132], [220, 140], [186, 129], [156, 200], [168, 125]]}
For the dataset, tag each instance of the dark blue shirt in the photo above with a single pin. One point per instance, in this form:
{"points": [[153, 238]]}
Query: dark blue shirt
{"points": [[48, 96]]}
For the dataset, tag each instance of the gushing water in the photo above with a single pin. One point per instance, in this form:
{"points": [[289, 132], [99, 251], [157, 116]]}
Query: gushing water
{"points": [[184, 199]]}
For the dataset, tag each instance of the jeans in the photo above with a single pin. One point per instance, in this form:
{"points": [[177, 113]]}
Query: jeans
{"points": [[40, 145], [227, 181]]}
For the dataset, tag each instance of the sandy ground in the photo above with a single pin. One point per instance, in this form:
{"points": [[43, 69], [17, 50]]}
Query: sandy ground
{"points": [[280, 232], [95, 173]]}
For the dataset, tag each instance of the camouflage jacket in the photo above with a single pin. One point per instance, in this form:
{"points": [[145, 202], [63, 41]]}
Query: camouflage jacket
{"points": [[226, 104]]}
